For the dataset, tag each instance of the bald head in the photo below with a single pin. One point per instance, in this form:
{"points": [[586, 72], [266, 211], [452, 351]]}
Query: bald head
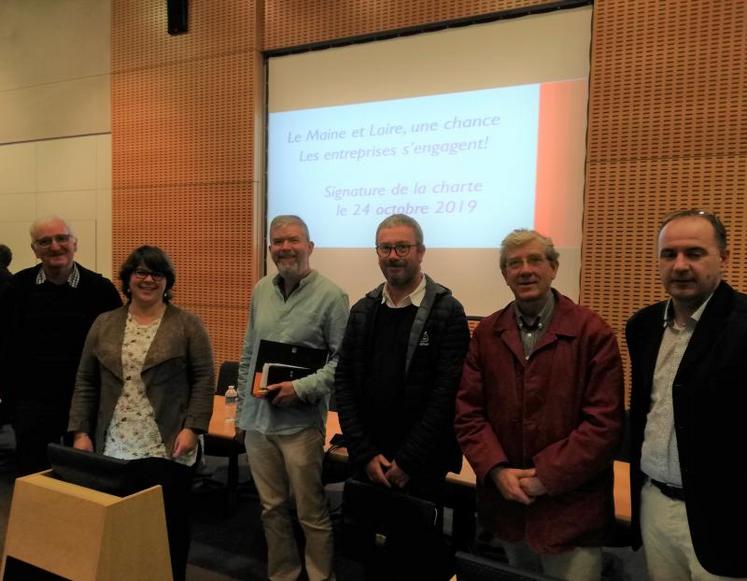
{"points": [[47, 221]]}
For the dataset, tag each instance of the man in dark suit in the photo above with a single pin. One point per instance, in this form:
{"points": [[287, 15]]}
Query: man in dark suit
{"points": [[689, 371]]}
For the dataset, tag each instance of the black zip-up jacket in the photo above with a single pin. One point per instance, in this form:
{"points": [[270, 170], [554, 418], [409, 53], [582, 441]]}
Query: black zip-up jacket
{"points": [[437, 345]]}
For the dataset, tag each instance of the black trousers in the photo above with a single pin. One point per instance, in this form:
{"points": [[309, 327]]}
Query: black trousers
{"points": [[35, 426], [176, 482]]}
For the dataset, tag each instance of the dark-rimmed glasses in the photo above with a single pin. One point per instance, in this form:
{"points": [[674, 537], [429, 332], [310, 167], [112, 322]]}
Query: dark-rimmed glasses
{"points": [[142, 274], [400, 249]]}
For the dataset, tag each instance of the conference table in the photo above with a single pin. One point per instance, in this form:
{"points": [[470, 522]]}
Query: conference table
{"points": [[465, 478]]}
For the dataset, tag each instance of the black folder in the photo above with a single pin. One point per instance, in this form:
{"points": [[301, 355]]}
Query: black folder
{"points": [[284, 362]]}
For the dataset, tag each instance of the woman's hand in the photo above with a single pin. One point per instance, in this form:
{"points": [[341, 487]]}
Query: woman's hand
{"points": [[186, 441], [82, 441]]}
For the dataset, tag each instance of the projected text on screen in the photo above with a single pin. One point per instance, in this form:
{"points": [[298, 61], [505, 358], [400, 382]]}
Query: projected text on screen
{"points": [[464, 164]]}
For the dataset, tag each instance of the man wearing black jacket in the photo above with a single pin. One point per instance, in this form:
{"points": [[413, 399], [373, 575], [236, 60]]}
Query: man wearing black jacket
{"points": [[689, 393], [399, 370], [45, 314]]}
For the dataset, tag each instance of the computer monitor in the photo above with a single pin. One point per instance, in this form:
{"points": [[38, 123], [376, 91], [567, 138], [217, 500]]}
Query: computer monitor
{"points": [[111, 475], [471, 567]]}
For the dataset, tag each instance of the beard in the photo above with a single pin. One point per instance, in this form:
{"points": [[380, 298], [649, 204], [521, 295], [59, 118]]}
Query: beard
{"points": [[287, 268], [402, 277], [290, 265]]}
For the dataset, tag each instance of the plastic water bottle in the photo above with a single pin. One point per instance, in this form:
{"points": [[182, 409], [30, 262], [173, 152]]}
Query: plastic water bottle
{"points": [[232, 398]]}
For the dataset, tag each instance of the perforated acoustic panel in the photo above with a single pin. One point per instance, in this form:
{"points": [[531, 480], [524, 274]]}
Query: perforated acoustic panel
{"points": [[667, 130], [182, 141]]}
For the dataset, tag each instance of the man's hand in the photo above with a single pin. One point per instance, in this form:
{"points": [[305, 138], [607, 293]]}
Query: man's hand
{"points": [[532, 486], [185, 442], [377, 468], [507, 480], [282, 394], [396, 476], [82, 441]]}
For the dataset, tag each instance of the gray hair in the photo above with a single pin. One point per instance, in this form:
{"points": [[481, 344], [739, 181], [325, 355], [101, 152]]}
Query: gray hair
{"points": [[522, 236], [401, 220], [39, 222], [287, 219]]}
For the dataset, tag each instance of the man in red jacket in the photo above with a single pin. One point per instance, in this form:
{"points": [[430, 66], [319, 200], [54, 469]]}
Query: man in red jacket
{"points": [[539, 415]]}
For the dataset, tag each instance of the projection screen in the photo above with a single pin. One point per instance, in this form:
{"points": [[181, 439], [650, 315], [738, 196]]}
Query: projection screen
{"points": [[473, 131]]}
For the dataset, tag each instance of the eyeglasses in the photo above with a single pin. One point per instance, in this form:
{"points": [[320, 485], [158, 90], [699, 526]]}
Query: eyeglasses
{"points": [[401, 250], [142, 274], [533, 260], [46, 242]]}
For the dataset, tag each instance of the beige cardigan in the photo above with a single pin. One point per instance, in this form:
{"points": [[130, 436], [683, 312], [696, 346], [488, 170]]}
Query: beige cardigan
{"points": [[178, 375]]}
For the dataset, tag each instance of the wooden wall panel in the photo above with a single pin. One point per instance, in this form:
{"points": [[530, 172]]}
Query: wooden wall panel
{"points": [[182, 140], [667, 131]]}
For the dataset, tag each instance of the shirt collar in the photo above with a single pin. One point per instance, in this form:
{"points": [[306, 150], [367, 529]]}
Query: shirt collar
{"points": [[72, 280], [541, 320], [694, 318], [301, 283], [414, 298]]}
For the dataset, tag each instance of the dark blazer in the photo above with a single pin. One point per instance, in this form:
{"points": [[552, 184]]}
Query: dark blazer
{"points": [[178, 375], [710, 402]]}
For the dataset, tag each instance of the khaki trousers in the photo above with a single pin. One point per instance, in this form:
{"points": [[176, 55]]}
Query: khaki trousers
{"points": [[287, 471], [667, 544]]}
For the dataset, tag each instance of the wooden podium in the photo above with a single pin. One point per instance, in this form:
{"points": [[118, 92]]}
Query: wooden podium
{"points": [[81, 534]]}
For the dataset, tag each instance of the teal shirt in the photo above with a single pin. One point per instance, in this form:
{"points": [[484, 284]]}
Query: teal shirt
{"points": [[314, 315]]}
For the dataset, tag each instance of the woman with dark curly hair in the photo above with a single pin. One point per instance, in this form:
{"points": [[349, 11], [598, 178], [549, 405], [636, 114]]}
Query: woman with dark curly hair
{"points": [[145, 382]]}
